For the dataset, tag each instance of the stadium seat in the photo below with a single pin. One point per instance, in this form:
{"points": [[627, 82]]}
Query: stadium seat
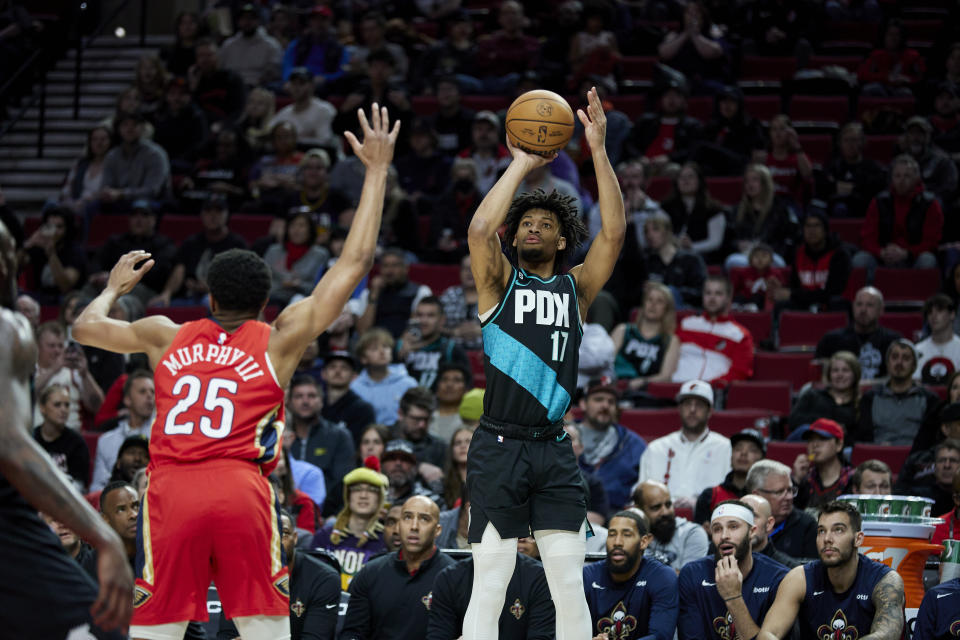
{"points": [[818, 147], [893, 456], [847, 229], [637, 68], [795, 368], [666, 390], [819, 108], [658, 187], [880, 147], [485, 103], [923, 30], [856, 281], [700, 107], [424, 105], [731, 421], [180, 314], [436, 276], [785, 452], [250, 227], [850, 63], [869, 106], [476, 360], [906, 287], [759, 323], [767, 68], [861, 30], [726, 190], [650, 424], [91, 438], [179, 227], [423, 230], [633, 106], [103, 226], [908, 324], [801, 330], [749, 394], [762, 108]]}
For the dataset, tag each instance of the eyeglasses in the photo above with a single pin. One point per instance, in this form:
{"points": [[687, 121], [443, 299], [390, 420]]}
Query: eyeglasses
{"points": [[793, 489]]}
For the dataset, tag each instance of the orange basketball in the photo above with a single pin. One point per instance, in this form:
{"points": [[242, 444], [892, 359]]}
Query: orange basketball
{"points": [[539, 122]]}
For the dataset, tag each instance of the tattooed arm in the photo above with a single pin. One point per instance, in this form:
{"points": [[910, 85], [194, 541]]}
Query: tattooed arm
{"points": [[888, 598]]}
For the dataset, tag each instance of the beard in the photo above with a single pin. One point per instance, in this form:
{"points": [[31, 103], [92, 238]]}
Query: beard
{"points": [[534, 255], [629, 560], [663, 528], [841, 558], [741, 551]]}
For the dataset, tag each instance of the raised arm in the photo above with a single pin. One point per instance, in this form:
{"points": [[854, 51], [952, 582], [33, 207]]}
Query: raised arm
{"points": [[490, 267], [603, 254], [729, 581], [888, 599], [300, 324], [781, 616], [151, 335]]}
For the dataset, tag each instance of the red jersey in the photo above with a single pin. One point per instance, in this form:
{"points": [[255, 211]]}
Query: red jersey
{"points": [[217, 397]]}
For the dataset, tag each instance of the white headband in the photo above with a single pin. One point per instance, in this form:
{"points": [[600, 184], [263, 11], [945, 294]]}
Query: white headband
{"points": [[733, 511]]}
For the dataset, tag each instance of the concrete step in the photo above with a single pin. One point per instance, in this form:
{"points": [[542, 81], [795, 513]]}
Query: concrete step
{"points": [[94, 114], [103, 53], [50, 151], [17, 138], [87, 88], [114, 62], [86, 100], [91, 75], [48, 165], [33, 179], [20, 196], [59, 125]]}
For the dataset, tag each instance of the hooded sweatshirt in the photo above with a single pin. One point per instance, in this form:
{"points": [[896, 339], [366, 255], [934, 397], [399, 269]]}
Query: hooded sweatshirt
{"points": [[384, 395]]}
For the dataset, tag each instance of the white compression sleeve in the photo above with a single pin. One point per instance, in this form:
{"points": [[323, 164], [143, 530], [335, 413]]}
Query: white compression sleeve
{"points": [[562, 555], [494, 560]]}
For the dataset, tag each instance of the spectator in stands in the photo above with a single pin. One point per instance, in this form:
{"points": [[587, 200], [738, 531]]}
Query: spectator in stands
{"points": [[838, 400], [376, 87], [137, 168], [730, 136], [388, 596], [639, 206], [945, 119], [65, 446], [693, 458], [453, 123], [380, 383], [66, 365], [780, 29], [666, 135], [181, 55], [30, 309], [762, 216], [487, 152], [821, 474], [188, 279], [452, 382], [221, 170], [765, 523], [755, 285], [319, 442], [794, 532], [938, 356], [313, 192], [219, 92], [251, 52], [120, 507], [141, 234], [85, 178], [598, 506], [940, 488], [400, 467], [57, 261], [257, 115], [892, 69], [400, 226], [372, 31], [281, 27], [819, 270], [373, 441], [594, 52], [713, 346], [128, 101], [76, 548], [341, 405], [789, 166], [949, 521], [936, 168], [391, 527], [676, 541], [647, 350], [391, 297], [696, 50], [747, 446], [277, 171], [307, 477], [139, 402], [150, 79], [423, 171], [451, 59], [413, 420], [541, 179], [502, 56], [699, 222], [298, 503], [682, 271], [864, 337], [850, 180], [310, 116], [918, 468], [610, 450], [134, 454], [872, 477], [355, 536], [455, 468], [180, 126], [460, 309], [893, 412]]}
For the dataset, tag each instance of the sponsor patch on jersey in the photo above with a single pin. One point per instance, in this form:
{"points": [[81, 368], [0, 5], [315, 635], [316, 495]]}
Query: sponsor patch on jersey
{"points": [[140, 595], [282, 585]]}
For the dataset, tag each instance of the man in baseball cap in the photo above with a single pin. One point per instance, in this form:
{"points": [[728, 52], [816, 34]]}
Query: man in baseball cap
{"points": [[821, 474], [341, 405], [693, 458], [400, 467], [747, 447]]}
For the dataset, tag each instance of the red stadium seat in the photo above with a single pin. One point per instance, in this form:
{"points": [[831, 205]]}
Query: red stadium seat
{"points": [[731, 421], [749, 394], [940, 390], [423, 230], [250, 226], [759, 324], [817, 147], [762, 108], [869, 106], [103, 226], [908, 324], [861, 30], [91, 438], [923, 30], [180, 314], [726, 190], [819, 108], [700, 107], [476, 360], [847, 229], [666, 390], [794, 368], [659, 187], [650, 424], [436, 276], [801, 330], [893, 456], [785, 452], [850, 63], [906, 287], [880, 147], [424, 105], [857, 280], [637, 67], [485, 103], [633, 106], [768, 68], [178, 228]]}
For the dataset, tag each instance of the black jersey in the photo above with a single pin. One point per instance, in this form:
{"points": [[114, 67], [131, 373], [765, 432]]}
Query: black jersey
{"points": [[825, 614], [531, 350]]}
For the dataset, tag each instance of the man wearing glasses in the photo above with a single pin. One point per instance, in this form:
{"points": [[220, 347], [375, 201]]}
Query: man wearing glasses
{"points": [[794, 532]]}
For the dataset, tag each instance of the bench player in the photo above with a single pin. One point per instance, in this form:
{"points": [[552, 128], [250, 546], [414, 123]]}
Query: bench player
{"points": [[219, 394], [521, 469]]}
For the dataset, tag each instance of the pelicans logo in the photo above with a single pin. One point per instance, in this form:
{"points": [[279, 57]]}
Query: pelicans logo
{"points": [[618, 625], [724, 627], [838, 629], [955, 629], [427, 600], [517, 609]]}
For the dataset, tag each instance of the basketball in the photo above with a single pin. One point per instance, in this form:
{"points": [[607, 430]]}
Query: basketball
{"points": [[539, 122]]}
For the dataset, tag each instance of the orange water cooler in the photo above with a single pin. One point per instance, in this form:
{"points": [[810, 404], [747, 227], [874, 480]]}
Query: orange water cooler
{"points": [[905, 547]]}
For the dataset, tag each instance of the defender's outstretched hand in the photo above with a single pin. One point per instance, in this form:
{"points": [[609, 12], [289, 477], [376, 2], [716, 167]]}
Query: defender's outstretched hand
{"points": [[125, 275], [376, 150], [594, 121], [530, 160]]}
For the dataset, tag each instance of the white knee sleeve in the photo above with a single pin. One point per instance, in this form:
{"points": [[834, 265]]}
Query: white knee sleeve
{"points": [[494, 560], [169, 631], [263, 627], [562, 554]]}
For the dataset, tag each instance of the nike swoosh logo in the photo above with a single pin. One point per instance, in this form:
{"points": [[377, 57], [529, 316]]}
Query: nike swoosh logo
{"points": [[817, 593], [596, 586], [943, 595], [330, 606], [708, 584]]}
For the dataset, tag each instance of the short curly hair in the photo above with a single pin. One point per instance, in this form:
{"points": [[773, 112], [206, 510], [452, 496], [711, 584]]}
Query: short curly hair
{"points": [[239, 280], [563, 206]]}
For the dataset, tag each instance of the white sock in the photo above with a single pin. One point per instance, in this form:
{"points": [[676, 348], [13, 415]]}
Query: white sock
{"points": [[562, 555], [494, 560]]}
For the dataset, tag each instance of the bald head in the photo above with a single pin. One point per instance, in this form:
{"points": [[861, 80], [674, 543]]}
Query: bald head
{"points": [[653, 498], [419, 525], [424, 504], [763, 519]]}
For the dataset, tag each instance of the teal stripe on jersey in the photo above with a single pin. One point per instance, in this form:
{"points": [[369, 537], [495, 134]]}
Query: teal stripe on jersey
{"points": [[518, 362]]}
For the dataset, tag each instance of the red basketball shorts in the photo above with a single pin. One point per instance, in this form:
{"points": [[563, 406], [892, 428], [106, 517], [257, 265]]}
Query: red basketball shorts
{"points": [[213, 520]]}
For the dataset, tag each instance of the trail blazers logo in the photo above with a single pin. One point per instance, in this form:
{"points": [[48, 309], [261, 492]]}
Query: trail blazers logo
{"points": [[838, 629], [724, 627], [517, 609], [618, 625], [427, 600]]}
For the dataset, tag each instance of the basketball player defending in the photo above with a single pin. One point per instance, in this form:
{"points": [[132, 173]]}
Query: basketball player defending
{"points": [[521, 469], [209, 511]]}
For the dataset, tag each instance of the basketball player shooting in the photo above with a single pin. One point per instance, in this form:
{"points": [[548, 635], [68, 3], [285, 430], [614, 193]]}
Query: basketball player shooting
{"points": [[209, 510], [521, 469]]}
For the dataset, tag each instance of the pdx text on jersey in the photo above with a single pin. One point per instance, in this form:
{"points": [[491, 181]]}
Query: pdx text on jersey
{"points": [[549, 308], [245, 365]]}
